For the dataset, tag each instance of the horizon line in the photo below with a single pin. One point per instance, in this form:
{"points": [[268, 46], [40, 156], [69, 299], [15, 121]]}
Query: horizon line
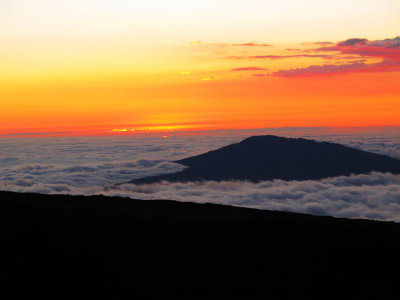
{"points": [[97, 133]]}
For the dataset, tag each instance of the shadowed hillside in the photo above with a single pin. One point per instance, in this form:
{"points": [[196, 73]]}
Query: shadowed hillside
{"points": [[271, 157], [197, 251]]}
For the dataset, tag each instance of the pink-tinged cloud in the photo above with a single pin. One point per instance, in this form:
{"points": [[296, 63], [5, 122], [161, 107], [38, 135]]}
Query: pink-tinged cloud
{"points": [[326, 49], [321, 70], [354, 67], [353, 42], [385, 49], [299, 50], [348, 57], [324, 43], [249, 69], [261, 75], [291, 56], [252, 44], [388, 50], [387, 43]]}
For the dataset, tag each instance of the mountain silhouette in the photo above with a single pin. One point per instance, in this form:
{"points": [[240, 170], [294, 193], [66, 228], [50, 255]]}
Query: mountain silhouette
{"points": [[271, 157], [180, 250]]}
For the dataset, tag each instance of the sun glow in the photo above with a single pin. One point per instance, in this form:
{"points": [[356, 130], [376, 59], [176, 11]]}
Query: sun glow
{"points": [[155, 129]]}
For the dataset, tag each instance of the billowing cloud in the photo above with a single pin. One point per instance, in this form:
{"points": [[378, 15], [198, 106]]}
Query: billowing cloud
{"points": [[74, 165], [353, 42], [103, 174], [387, 43], [373, 196], [249, 69], [387, 50]]}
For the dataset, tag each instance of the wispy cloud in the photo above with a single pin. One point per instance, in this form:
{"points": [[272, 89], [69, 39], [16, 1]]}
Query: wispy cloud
{"points": [[326, 43], [209, 78], [253, 44], [320, 70], [249, 69], [195, 42], [291, 56], [299, 50], [261, 75]]}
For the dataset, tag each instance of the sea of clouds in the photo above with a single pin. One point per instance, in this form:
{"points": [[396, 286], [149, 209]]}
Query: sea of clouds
{"points": [[82, 165]]}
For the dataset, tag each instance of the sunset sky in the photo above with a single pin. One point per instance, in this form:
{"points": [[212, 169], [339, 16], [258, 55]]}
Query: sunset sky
{"points": [[115, 67]]}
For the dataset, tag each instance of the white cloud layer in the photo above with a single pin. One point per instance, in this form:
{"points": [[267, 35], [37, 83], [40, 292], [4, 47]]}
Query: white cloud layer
{"points": [[88, 165], [372, 196], [84, 175]]}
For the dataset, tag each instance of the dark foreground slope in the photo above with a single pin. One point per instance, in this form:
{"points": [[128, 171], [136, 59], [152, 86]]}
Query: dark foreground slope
{"points": [[271, 157], [170, 249]]}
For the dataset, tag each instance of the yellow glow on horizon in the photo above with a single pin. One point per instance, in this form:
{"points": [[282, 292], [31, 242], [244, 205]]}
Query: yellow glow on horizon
{"points": [[155, 129], [119, 130]]}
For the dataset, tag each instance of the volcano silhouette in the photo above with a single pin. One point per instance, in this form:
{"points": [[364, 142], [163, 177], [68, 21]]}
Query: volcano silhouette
{"points": [[271, 157]]}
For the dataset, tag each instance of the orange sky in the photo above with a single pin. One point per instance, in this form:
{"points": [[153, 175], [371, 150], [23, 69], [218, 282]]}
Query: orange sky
{"points": [[71, 66]]}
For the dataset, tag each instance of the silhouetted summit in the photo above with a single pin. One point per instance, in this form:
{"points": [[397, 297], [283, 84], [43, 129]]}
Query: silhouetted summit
{"points": [[176, 250], [272, 157]]}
